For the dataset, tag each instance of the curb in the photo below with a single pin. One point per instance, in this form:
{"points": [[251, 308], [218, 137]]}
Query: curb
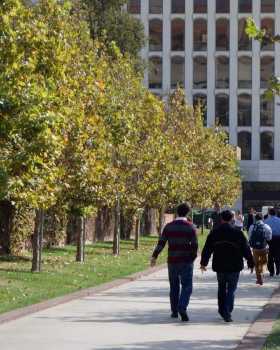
{"points": [[19, 313], [257, 334]]}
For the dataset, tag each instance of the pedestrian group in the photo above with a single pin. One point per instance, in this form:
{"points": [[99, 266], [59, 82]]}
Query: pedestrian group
{"points": [[228, 247]]}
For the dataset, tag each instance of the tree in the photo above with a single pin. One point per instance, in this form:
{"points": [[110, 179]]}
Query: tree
{"points": [[110, 23], [197, 159], [42, 81]]}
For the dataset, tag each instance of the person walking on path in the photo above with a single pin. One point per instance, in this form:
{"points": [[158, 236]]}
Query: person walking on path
{"points": [[259, 235], [274, 245], [251, 219], [228, 246], [182, 251], [239, 220]]}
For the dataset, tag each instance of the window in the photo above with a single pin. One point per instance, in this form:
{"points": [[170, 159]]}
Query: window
{"points": [[222, 35], [244, 72], [200, 72], [222, 110], [155, 6], [178, 35], [267, 70], [155, 73], [245, 144], [155, 37], [223, 6], [267, 112], [200, 6], [177, 71], [267, 6], [200, 35], [244, 42], [267, 145], [178, 6], [244, 110], [268, 25], [201, 100], [222, 72], [134, 6], [245, 6]]}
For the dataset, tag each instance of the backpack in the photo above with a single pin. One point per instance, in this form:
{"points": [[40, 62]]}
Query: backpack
{"points": [[257, 240]]}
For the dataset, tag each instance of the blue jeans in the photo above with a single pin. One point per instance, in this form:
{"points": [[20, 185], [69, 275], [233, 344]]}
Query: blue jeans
{"points": [[227, 285], [181, 285]]}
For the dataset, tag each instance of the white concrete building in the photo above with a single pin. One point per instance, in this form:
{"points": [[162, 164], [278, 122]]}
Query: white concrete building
{"points": [[201, 44]]}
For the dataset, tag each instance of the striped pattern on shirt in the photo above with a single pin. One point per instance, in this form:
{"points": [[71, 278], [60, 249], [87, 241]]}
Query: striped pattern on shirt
{"points": [[182, 242]]}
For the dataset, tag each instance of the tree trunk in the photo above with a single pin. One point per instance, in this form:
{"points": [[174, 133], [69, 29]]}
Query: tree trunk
{"points": [[7, 212], [150, 225], [37, 241], [105, 224], [137, 234], [116, 243], [71, 229], [203, 217], [81, 239], [161, 220], [127, 224]]}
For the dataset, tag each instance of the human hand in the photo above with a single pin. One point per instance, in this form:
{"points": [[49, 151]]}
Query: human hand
{"points": [[153, 261]]}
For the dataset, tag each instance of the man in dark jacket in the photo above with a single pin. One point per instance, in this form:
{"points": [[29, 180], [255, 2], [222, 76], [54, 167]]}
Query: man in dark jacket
{"points": [[228, 246], [182, 251]]}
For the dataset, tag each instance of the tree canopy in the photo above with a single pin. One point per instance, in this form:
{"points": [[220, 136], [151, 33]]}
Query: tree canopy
{"points": [[80, 131]]}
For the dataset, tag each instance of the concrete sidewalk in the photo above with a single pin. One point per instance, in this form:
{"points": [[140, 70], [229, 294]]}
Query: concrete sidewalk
{"points": [[136, 316]]}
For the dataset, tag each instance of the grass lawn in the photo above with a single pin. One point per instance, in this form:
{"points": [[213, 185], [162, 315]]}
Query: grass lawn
{"points": [[61, 274], [273, 341]]}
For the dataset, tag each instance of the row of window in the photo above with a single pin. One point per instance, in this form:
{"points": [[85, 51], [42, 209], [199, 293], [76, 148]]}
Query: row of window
{"points": [[200, 35], [244, 102], [244, 140], [200, 72], [201, 6]]}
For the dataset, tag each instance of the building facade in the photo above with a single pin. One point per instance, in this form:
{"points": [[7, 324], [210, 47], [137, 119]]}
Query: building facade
{"points": [[202, 46]]}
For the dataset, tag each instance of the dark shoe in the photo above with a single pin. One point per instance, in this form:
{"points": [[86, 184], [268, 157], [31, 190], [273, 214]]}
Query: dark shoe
{"points": [[228, 319], [184, 317], [259, 280], [174, 315], [271, 274]]}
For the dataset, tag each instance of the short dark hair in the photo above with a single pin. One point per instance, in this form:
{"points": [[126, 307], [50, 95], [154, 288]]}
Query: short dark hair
{"points": [[272, 211], [259, 216], [183, 209], [227, 215]]}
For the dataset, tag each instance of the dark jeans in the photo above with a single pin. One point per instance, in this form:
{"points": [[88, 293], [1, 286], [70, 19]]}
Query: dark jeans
{"points": [[227, 284], [181, 284], [274, 256]]}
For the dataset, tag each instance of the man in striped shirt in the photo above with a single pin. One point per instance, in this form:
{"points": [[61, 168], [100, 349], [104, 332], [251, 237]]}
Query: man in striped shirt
{"points": [[182, 251]]}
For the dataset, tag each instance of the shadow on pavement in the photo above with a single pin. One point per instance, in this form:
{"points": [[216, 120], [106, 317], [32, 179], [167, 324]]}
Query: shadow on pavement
{"points": [[174, 345], [202, 310]]}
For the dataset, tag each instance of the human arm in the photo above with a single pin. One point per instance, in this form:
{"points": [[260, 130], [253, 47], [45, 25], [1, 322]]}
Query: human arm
{"points": [[160, 246], [267, 232], [193, 243], [246, 251], [250, 231]]}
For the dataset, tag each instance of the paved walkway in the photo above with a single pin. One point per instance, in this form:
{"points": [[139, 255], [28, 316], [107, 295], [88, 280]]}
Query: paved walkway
{"points": [[136, 316]]}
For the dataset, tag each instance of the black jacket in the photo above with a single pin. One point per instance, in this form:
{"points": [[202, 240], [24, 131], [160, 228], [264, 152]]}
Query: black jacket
{"points": [[228, 246]]}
